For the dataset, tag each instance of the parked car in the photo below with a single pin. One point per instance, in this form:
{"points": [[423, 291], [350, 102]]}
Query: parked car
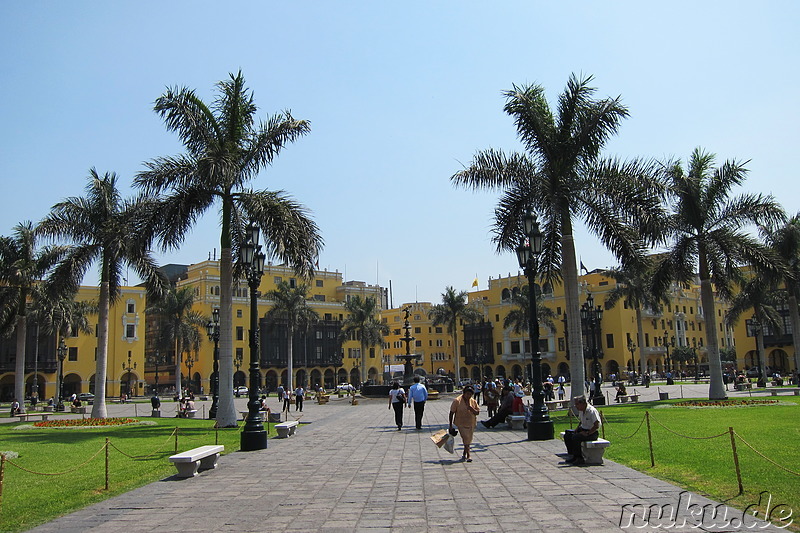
{"points": [[241, 391], [86, 397], [345, 387]]}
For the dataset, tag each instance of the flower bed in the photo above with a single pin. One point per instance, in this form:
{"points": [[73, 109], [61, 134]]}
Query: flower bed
{"points": [[723, 403], [86, 422]]}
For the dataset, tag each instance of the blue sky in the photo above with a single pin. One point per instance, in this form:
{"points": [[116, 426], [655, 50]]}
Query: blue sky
{"points": [[400, 96]]}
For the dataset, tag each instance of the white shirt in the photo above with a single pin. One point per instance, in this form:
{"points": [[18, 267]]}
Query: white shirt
{"points": [[394, 392], [589, 417]]}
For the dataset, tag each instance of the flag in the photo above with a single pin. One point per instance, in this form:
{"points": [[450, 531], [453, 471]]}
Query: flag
{"points": [[475, 282], [583, 267]]}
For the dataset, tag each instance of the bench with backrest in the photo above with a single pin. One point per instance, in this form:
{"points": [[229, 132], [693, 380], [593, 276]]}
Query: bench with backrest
{"points": [[23, 417], [202, 458], [286, 429], [593, 450]]}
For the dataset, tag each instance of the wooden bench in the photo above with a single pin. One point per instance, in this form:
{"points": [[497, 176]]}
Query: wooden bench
{"points": [[286, 429], [515, 421], [593, 450], [23, 417], [202, 458]]}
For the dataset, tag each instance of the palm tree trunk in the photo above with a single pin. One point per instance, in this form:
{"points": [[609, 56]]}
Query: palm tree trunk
{"points": [[363, 361], [716, 389], [99, 407], [19, 363], [456, 356], [178, 358], [226, 410], [762, 368], [640, 334], [569, 273]]}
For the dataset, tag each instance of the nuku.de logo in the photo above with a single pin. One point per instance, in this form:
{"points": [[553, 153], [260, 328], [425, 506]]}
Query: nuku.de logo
{"points": [[710, 516]]}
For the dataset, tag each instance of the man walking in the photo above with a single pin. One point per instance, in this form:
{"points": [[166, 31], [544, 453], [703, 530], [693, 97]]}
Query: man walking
{"points": [[418, 394]]}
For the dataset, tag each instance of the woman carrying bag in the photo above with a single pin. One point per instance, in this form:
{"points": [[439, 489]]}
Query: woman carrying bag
{"points": [[397, 397], [464, 413]]}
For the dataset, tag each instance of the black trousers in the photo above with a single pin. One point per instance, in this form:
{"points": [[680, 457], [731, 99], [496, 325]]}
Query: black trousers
{"points": [[419, 409], [398, 414], [499, 416], [573, 441]]}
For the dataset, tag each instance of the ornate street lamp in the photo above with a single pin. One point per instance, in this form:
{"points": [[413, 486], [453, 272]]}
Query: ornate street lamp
{"points": [[190, 361], [632, 349], [156, 360], [213, 335], [62, 354], [667, 343], [592, 316], [254, 437], [540, 427], [756, 328]]}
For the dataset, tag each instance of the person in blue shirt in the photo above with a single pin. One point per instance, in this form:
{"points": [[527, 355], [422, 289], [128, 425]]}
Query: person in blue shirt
{"points": [[418, 395]]}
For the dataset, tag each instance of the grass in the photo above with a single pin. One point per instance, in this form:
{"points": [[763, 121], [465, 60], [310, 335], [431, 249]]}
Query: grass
{"points": [[685, 457], [31, 499]]}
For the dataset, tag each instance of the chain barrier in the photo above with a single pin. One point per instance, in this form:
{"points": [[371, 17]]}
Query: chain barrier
{"points": [[687, 436], [12, 463], [159, 450], [605, 424], [765, 457]]}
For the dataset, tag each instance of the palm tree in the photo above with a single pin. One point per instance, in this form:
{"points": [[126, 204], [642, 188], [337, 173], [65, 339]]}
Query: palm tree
{"points": [[22, 267], [785, 241], [363, 324], [454, 308], [517, 319], [760, 295], [634, 287], [225, 150], [103, 228], [290, 306], [705, 235], [563, 179], [179, 325]]}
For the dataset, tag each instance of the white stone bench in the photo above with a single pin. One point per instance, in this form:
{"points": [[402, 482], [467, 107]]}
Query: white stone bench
{"points": [[623, 399], [23, 417], [285, 429], [774, 392], [192, 413], [80, 410], [202, 458], [593, 450], [552, 405], [634, 398], [515, 421]]}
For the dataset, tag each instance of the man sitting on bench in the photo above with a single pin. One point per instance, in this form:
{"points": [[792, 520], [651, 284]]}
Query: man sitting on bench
{"points": [[587, 430]]}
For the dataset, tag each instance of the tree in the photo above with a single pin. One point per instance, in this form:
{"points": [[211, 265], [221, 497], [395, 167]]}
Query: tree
{"points": [[562, 177], [179, 325], [112, 232], [760, 295], [290, 306], [634, 287], [22, 267], [454, 308], [705, 235], [362, 323], [225, 150], [517, 319], [785, 242]]}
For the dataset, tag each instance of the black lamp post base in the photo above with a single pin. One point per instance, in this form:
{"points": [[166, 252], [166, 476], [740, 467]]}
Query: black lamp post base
{"points": [[253, 440], [540, 430]]}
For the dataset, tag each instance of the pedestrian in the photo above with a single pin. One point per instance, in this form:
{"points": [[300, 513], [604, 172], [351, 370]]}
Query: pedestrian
{"points": [[418, 394], [477, 393], [397, 398], [506, 403], [588, 427], [464, 413], [490, 398], [286, 399], [15, 407], [561, 390], [280, 393], [299, 396]]}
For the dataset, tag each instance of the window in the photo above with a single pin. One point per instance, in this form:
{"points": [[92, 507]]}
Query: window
{"points": [[439, 342], [277, 280], [418, 344], [514, 346], [72, 354], [319, 335], [499, 347], [319, 297], [417, 317], [558, 310], [239, 333], [131, 306], [238, 313], [438, 330], [647, 340], [292, 283], [240, 354], [396, 331], [610, 340], [318, 283], [130, 331], [497, 318], [372, 353], [328, 316], [562, 346], [417, 330]]}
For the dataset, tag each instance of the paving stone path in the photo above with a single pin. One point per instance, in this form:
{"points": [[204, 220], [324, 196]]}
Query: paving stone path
{"points": [[349, 469]]}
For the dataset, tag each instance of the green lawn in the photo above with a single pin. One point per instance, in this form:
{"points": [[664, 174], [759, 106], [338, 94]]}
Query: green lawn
{"points": [[706, 466], [29, 499]]}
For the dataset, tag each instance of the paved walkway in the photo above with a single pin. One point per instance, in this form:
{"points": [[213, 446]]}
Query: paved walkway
{"points": [[349, 469]]}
